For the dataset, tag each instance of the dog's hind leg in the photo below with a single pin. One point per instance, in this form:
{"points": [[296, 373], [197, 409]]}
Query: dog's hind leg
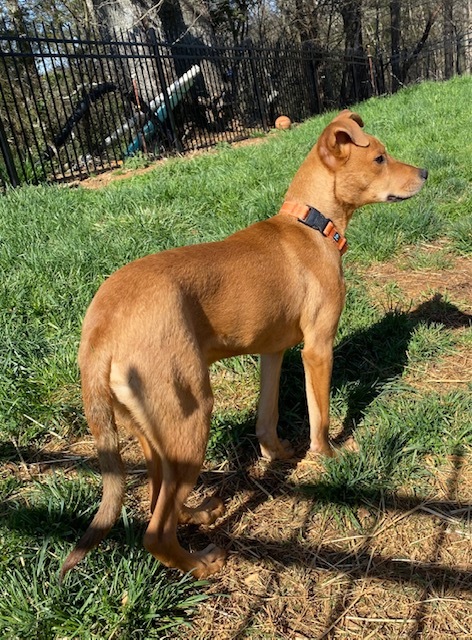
{"points": [[160, 539], [182, 451], [268, 410], [124, 418], [206, 513], [154, 469]]}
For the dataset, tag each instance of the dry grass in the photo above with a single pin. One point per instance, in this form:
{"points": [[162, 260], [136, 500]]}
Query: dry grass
{"points": [[402, 570], [296, 572]]}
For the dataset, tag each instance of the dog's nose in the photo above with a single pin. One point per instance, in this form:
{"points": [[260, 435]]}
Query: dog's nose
{"points": [[424, 173]]}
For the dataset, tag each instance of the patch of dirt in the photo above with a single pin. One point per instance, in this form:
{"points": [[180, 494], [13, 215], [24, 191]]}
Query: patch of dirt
{"points": [[294, 571], [114, 175], [418, 285], [449, 371]]}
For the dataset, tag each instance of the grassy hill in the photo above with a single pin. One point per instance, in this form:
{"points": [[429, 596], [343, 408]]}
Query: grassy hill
{"points": [[375, 542]]}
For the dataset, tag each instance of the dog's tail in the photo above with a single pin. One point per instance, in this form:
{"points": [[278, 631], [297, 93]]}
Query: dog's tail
{"points": [[99, 413]]}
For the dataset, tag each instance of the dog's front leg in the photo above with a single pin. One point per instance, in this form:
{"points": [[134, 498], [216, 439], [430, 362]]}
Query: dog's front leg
{"points": [[318, 364], [268, 409]]}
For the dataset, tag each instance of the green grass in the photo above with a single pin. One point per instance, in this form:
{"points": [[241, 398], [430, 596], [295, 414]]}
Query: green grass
{"points": [[121, 593], [56, 247]]}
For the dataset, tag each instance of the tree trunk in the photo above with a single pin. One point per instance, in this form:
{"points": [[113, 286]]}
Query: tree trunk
{"points": [[130, 20], [177, 23], [305, 21], [188, 23], [395, 36], [448, 38], [413, 56], [355, 84], [467, 13]]}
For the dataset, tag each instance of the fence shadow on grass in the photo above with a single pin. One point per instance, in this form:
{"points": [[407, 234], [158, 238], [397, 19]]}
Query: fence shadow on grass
{"points": [[365, 364]]}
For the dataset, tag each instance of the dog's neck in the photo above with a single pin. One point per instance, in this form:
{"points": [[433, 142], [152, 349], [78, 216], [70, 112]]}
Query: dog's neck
{"points": [[316, 220], [317, 189]]}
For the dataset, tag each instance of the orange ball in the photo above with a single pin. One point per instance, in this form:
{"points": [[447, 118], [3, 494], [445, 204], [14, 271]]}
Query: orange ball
{"points": [[283, 122]]}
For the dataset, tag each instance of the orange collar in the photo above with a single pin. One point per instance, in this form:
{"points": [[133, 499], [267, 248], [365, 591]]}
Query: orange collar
{"points": [[316, 220]]}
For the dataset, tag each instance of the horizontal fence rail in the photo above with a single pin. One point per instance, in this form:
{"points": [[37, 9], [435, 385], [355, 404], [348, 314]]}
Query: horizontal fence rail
{"points": [[73, 104]]}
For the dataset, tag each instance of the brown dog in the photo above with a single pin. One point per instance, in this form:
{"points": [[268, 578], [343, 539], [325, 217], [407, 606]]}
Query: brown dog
{"points": [[156, 325]]}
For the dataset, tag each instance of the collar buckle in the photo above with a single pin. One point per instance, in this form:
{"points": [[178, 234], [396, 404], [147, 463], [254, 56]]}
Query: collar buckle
{"points": [[316, 220]]}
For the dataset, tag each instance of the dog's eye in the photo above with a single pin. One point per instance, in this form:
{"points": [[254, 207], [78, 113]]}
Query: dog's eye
{"points": [[380, 159]]}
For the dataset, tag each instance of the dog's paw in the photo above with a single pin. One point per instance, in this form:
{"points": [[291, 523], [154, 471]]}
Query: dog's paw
{"points": [[330, 450], [210, 560], [323, 449], [206, 513], [286, 450], [282, 450], [350, 445]]}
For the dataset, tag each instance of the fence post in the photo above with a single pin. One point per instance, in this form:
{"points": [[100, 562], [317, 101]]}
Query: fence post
{"points": [[371, 72], [257, 89], [6, 152], [310, 62], [162, 81]]}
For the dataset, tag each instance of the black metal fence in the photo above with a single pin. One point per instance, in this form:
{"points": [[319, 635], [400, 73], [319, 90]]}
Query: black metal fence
{"points": [[72, 104]]}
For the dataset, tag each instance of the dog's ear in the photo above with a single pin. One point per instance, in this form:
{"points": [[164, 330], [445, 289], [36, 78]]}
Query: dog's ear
{"points": [[334, 143], [346, 113]]}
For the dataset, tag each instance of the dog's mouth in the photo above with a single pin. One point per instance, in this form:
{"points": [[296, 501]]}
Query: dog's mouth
{"points": [[392, 198]]}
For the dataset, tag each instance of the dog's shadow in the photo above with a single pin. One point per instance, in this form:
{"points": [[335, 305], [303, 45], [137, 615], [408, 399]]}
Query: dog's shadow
{"points": [[365, 363]]}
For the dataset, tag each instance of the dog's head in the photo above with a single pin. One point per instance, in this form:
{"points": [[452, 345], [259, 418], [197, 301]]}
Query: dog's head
{"points": [[363, 170]]}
